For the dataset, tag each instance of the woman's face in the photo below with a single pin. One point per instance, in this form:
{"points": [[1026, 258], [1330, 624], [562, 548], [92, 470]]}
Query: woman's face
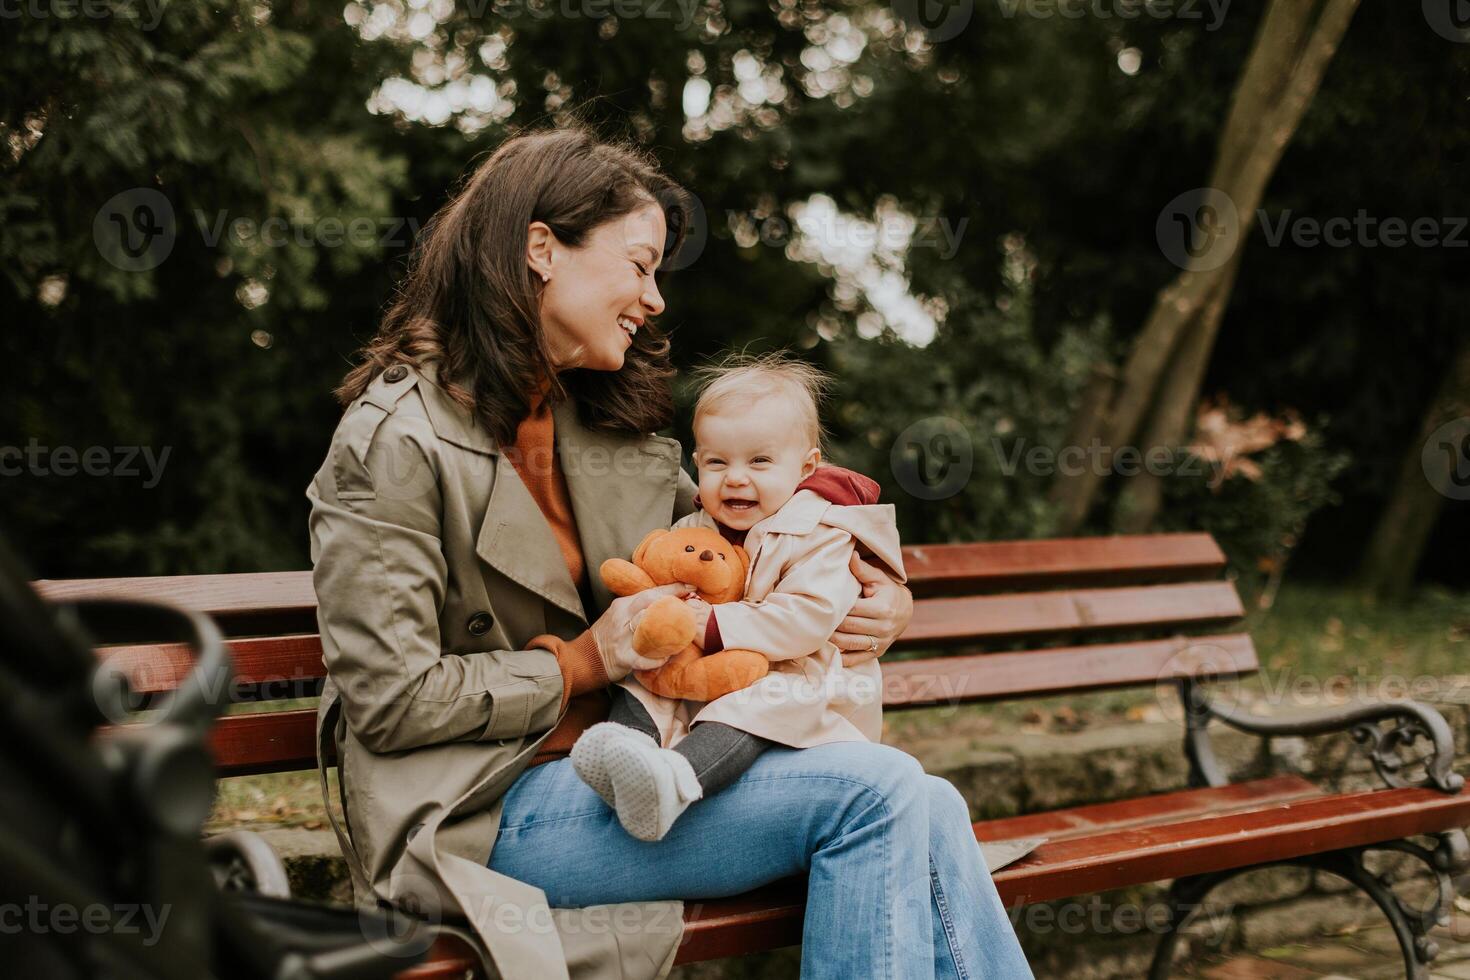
{"points": [[599, 294]]}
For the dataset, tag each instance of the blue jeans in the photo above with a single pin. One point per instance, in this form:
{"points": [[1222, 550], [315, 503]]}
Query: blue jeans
{"points": [[897, 885]]}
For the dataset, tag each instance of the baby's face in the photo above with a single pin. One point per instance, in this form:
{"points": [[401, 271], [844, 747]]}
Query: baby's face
{"points": [[750, 462]]}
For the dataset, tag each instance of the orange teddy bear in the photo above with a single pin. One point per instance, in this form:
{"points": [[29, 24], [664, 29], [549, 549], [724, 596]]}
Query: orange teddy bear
{"points": [[717, 570]]}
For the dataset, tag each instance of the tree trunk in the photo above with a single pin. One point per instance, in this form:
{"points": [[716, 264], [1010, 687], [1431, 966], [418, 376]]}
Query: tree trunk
{"points": [[1142, 493], [1088, 425], [1426, 474], [1139, 499], [1288, 57]]}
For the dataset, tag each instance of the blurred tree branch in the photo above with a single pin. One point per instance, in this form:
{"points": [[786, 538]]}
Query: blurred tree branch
{"points": [[1160, 381], [1416, 502]]}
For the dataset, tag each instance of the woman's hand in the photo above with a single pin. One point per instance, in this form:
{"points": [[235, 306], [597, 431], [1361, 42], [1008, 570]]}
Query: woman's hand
{"points": [[614, 630], [876, 619], [702, 611]]}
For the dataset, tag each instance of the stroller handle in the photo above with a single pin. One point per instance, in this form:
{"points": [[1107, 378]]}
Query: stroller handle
{"points": [[201, 696]]}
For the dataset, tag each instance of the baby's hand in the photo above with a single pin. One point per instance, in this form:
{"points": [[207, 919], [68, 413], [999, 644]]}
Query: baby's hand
{"points": [[702, 611]]}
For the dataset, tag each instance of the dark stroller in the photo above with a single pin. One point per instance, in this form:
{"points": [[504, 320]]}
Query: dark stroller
{"points": [[104, 872]]}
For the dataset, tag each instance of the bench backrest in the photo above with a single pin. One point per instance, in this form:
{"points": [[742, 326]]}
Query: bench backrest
{"points": [[995, 621]]}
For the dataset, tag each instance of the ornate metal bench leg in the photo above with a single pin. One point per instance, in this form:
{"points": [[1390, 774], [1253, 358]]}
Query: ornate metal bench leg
{"points": [[1417, 949], [1186, 895], [1410, 925]]}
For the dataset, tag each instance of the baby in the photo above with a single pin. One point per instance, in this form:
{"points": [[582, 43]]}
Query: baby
{"points": [[761, 485]]}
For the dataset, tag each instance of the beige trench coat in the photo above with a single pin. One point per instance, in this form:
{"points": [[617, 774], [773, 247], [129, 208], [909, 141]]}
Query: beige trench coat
{"points": [[798, 589], [433, 569]]}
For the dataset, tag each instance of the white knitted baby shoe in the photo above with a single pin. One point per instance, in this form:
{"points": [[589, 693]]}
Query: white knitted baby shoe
{"points": [[649, 786], [588, 753]]}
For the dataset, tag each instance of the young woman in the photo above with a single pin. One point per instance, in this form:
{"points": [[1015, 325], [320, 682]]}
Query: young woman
{"points": [[496, 448]]}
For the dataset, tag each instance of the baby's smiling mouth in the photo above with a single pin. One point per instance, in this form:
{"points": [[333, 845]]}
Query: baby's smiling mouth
{"points": [[740, 504]]}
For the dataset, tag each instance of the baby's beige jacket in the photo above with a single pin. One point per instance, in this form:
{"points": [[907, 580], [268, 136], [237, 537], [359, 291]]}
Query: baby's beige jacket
{"points": [[799, 588]]}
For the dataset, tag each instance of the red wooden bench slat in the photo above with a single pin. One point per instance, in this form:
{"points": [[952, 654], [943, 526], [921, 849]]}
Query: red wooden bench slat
{"points": [[1117, 560], [448, 959], [158, 668], [1064, 670], [271, 741], [1160, 808], [959, 619], [768, 917], [932, 568], [1130, 856], [452, 967], [153, 668], [222, 596], [259, 742], [1229, 827]]}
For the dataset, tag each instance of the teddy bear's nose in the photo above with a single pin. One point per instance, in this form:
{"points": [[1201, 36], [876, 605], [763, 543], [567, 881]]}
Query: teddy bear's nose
{"points": [[706, 555]]}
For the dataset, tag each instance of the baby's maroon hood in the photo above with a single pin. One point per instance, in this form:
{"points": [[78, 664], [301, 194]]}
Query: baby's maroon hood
{"points": [[841, 486]]}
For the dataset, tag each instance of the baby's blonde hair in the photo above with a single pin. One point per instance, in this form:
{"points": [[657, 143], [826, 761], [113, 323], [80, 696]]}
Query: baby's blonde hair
{"points": [[739, 378]]}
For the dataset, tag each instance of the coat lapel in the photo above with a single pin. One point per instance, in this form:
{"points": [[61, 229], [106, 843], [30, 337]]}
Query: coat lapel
{"points": [[514, 537], [621, 488], [516, 541]]}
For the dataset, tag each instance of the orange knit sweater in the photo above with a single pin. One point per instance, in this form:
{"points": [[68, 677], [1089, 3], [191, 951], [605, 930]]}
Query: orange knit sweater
{"points": [[584, 679]]}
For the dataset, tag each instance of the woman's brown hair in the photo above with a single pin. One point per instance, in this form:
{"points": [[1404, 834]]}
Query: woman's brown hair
{"points": [[470, 302]]}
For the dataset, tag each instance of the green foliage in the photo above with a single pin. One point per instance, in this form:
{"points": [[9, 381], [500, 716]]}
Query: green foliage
{"points": [[982, 398], [1258, 522], [1025, 129], [205, 354]]}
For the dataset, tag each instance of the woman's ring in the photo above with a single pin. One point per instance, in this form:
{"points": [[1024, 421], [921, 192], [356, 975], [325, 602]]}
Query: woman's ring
{"points": [[872, 644]]}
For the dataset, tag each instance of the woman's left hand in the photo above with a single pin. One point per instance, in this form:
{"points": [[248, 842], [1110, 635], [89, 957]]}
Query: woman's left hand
{"points": [[701, 610], [876, 619]]}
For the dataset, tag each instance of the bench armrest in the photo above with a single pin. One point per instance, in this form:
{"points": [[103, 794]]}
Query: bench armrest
{"points": [[1362, 720]]}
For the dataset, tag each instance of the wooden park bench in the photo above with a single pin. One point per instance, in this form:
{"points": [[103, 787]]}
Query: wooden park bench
{"points": [[996, 621]]}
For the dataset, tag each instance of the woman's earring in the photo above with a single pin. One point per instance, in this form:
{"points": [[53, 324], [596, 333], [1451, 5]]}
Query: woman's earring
{"points": [[546, 277]]}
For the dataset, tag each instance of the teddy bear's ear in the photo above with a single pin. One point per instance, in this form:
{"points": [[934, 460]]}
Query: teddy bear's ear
{"points": [[648, 539]]}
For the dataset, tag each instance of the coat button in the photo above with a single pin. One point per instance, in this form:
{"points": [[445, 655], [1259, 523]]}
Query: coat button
{"points": [[480, 624], [395, 374]]}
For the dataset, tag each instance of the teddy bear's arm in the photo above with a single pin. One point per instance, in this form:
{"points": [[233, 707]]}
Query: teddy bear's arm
{"points": [[624, 578]]}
